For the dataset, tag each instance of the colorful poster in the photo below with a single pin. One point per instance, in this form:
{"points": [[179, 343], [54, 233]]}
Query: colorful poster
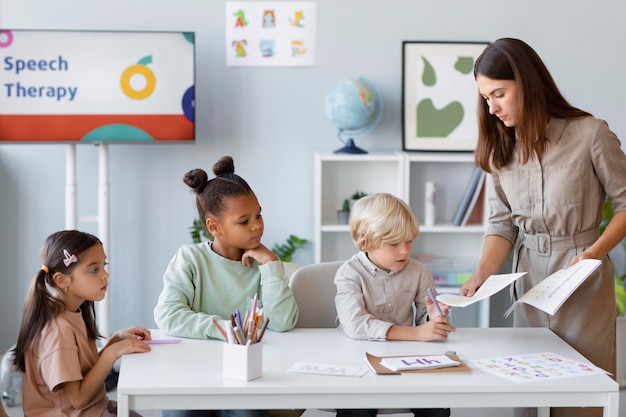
{"points": [[96, 86], [535, 367], [270, 33]]}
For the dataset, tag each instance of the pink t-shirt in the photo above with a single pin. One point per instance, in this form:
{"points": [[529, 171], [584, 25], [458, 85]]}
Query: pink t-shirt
{"points": [[63, 353]]}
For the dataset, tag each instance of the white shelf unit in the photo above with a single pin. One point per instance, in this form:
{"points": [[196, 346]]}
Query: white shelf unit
{"points": [[337, 177], [404, 174]]}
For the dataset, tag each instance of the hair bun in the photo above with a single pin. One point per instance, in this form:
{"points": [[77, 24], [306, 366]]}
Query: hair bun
{"points": [[196, 179], [225, 165]]}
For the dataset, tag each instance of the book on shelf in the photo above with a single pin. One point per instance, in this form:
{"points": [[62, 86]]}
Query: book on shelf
{"points": [[471, 207], [448, 271], [475, 211]]}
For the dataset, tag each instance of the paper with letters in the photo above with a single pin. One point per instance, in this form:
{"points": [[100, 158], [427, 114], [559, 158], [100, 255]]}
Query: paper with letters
{"points": [[405, 363], [551, 293], [535, 367], [491, 286], [326, 369]]}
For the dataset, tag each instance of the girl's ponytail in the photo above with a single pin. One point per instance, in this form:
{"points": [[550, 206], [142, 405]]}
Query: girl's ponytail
{"points": [[40, 306]]}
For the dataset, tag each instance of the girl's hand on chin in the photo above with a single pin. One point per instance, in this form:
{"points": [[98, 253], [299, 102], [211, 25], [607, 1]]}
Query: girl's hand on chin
{"points": [[262, 255]]}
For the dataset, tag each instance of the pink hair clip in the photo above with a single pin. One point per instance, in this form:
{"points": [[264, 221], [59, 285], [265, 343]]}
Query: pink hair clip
{"points": [[69, 259]]}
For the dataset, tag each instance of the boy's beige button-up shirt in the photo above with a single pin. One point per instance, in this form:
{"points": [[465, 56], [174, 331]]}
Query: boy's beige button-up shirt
{"points": [[370, 300]]}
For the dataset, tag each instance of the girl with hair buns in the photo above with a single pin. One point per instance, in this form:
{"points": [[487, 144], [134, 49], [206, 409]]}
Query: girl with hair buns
{"points": [[206, 282], [56, 348]]}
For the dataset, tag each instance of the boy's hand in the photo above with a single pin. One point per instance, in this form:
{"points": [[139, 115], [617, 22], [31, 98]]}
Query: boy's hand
{"points": [[432, 310], [437, 329]]}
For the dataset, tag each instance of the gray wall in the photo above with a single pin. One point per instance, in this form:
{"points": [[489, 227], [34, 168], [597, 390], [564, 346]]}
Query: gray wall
{"points": [[270, 120]]}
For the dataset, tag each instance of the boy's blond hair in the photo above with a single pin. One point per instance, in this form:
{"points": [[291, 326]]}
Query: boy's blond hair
{"points": [[382, 218]]}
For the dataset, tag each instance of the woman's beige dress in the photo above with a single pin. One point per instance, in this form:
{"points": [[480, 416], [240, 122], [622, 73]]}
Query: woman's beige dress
{"points": [[551, 210]]}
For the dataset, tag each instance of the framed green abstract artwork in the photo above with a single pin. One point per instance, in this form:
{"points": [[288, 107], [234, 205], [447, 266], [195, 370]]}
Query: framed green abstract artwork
{"points": [[439, 95]]}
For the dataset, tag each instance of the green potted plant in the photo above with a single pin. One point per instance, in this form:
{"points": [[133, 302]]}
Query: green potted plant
{"points": [[620, 302], [356, 196], [343, 214], [620, 278], [286, 250], [198, 230]]}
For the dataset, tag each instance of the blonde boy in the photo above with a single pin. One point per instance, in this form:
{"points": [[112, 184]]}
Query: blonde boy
{"points": [[377, 287]]}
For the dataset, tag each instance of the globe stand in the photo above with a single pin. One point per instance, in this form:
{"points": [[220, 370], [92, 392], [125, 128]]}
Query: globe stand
{"points": [[350, 148]]}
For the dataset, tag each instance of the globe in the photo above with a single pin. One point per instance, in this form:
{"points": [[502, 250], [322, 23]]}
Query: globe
{"points": [[354, 106]]}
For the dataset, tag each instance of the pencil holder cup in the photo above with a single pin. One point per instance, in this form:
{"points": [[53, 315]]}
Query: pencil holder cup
{"points": [[242, 362]]}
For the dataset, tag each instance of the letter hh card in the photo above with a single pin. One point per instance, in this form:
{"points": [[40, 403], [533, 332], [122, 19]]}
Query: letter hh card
{"points": [[404, 363]]}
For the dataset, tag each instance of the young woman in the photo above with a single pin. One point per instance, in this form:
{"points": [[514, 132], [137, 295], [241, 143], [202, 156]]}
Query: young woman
{"points": [[552, 166]]}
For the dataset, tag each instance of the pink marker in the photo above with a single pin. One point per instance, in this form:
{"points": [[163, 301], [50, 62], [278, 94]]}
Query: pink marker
{"points": [[161, 341]]}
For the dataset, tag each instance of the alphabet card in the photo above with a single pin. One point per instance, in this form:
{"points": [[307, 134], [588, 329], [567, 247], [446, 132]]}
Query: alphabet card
{"points": [[535, 367], [326, 369]]}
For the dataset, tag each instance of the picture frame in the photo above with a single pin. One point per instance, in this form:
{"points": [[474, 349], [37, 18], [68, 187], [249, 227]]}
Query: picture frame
{"points": [[439, 95]]}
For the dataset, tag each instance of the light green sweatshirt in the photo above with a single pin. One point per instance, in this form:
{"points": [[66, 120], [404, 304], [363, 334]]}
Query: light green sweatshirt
{"points": [[200, 286]]}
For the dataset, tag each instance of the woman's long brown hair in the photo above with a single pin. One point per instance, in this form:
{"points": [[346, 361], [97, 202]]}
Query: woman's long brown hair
{"points": [[538, 100]]}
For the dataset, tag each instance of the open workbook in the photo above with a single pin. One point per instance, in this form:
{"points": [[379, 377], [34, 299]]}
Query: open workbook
{"points": [[548, 295]]}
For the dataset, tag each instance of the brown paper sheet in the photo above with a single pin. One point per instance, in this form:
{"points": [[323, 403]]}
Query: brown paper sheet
{"points": [[374, 364]]}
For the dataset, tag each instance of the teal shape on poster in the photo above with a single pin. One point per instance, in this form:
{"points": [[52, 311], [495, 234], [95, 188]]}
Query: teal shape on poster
{"points": [[437, 123], [189, 36], [117, 132]]}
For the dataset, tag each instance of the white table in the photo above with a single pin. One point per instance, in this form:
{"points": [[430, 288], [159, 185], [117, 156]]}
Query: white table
{"points": [[188, 375]]}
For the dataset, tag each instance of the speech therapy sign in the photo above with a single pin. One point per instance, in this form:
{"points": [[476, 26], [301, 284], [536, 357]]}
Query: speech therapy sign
{"points": [[91, 86]]}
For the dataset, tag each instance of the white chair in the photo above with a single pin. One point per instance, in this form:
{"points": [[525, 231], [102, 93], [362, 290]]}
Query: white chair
{"points": [[290, 268], [3, 413], [314, 288], [10, 380]]}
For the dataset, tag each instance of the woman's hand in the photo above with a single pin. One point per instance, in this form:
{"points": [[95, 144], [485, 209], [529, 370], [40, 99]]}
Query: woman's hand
{"points": [[471, 285], [495, 251], [587, 254]]}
